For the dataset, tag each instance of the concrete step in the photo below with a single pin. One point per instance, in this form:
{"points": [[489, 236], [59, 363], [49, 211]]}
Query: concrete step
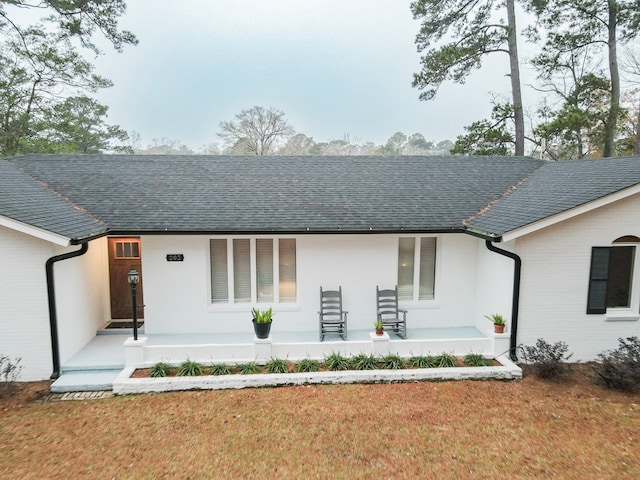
{"points": [[85, 381], [119, 331]]}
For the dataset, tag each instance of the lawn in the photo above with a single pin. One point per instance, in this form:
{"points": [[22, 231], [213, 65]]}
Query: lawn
{"points": [[522, 429]]}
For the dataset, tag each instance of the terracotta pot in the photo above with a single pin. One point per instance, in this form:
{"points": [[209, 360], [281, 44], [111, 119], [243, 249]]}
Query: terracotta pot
{"points": [[379, 331], [498, 328]]}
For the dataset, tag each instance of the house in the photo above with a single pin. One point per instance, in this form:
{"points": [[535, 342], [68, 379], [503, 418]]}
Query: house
{"points": [[549, 245]]}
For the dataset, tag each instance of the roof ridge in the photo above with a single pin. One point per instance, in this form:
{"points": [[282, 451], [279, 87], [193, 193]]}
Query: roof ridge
{"points": [[504, 194]]}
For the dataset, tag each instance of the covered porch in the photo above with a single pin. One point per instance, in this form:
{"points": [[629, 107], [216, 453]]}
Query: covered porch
{"points": [[98, 364]]}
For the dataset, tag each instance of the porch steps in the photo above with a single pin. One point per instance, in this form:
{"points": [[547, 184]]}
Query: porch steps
{"points": [[119, 331], [85, 380], [95, 367]]}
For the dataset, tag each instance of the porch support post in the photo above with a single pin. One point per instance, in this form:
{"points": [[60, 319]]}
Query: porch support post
{"points": [[262, 347], [134, 351]]}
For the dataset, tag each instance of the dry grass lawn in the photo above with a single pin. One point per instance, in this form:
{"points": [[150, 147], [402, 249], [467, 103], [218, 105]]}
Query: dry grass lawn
{"points": [[467, 430]]}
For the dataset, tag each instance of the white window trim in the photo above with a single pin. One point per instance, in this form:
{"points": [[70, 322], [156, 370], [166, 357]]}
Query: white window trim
{"points": [[631, 313], [232, 305], [276, 271], [416, 303]]}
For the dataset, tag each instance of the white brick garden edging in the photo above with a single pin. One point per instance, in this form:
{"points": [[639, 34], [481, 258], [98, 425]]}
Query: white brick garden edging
{"points": [[124, 384]]}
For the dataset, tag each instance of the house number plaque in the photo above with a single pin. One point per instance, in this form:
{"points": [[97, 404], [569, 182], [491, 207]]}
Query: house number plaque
{"points": [[175, 257]]}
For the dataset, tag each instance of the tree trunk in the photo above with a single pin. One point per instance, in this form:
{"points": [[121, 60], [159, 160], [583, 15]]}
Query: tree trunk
{"points": [[516, 91], [579, 143], [636, 148], [612, 118]]}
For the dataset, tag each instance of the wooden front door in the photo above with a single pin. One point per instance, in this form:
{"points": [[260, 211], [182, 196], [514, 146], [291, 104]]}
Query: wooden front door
{"points": [[125, 254]]}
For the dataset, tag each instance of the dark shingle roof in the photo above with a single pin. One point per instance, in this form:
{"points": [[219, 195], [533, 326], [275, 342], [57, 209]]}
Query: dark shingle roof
{"points": [[138, 194], [30, 202], [557, 187]]}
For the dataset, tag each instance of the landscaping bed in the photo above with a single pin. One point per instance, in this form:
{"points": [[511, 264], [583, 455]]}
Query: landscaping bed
{"points": [[357, 370], [367, 362]]}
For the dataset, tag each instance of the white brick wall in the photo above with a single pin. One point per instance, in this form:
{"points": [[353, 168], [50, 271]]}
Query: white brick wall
{"points": [[176, 293], [24, 312], [555, 277], [24, 317], [82, 293]]}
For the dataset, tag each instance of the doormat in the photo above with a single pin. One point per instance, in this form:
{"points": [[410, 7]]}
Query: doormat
{"points": [[123, 325]]}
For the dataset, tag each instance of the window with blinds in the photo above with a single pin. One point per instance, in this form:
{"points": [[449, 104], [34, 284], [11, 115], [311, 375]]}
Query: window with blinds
{"points": [[287, 268], [416, 268], [406, 264], [427, 283], [241, 271], [264, 269], [245, 270], [219, 271]]}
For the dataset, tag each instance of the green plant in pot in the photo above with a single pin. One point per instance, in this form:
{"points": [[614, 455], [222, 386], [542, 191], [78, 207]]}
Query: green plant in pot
{"points": [[379, 327], [498, 322], [262, 322]]}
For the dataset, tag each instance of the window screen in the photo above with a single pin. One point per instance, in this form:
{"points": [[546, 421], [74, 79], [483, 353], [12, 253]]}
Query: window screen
{"points": [[287, 267], [427, 268], [219, 271], [241, 270], [264, 269], [406, 252]]}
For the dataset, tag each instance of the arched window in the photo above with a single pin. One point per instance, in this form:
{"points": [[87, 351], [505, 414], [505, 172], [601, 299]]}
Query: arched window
{"points": [[612, 270]]}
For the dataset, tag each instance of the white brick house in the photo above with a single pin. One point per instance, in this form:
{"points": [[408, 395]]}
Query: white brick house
{"points": [[215, 236]]}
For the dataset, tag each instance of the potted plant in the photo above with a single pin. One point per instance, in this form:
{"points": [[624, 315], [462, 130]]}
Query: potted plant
{"points": [[498, 322], [379, 327], [262, 322]]}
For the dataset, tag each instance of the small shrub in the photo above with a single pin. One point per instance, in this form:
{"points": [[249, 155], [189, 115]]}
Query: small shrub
{"points": [[364, 362], [620, 368], [189, 368], [444, 360], [277, 365], [9, 373], [160, 369], [335, 362], [219, 369], [307, 365], [421, 361], [548, 361], [393, 361], [476, 360], [248, 368]]}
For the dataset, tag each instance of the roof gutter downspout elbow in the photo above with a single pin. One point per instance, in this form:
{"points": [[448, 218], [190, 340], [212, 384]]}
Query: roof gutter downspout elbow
{"points": [[516, 295], [53, 314]]}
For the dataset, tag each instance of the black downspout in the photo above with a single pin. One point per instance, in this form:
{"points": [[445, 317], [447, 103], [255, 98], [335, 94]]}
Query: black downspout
{"points": [[516, 296], [53, 314]]}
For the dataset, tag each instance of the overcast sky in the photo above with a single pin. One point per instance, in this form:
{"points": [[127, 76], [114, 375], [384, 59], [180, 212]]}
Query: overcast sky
{"points": [[334, 67]]}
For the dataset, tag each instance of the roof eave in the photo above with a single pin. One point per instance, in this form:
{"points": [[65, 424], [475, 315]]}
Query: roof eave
{"points": [[36, 232], [313, 231], [571, 213], [284, 231]]}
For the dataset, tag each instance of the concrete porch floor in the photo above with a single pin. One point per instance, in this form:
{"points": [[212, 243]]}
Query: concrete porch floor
{"points": [[97, 365]]}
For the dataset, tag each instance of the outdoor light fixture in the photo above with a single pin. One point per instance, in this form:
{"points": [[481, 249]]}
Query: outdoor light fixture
{"points": [[134, 279]]}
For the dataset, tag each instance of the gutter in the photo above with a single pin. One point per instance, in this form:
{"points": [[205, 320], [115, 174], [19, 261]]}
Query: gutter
{"points": [[53, 314], [516, 295], [306, 231]]}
